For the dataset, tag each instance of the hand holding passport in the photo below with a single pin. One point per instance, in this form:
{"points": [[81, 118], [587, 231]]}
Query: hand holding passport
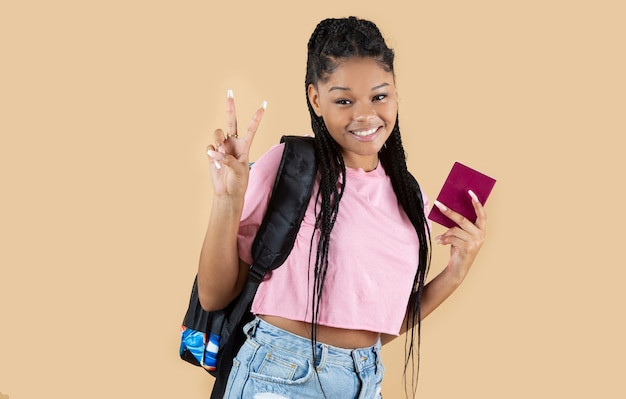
{"points": [[454, 193]]}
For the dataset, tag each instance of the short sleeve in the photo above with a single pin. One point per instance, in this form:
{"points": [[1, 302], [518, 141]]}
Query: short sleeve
{"points": [[262, 177]]}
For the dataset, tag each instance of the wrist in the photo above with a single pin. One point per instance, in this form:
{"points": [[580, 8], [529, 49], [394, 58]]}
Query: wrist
{"points": [[453, 276], [227, 206], [228, 200]]}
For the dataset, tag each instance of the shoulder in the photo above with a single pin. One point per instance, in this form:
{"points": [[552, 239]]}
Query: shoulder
{"points": [[300, 149], [267, 164]]}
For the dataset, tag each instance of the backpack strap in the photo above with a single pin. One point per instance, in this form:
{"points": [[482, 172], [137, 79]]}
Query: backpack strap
{"points": [[290, 196]]}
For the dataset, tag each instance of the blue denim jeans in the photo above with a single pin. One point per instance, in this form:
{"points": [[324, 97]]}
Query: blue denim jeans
{"points": [[276, 364]]}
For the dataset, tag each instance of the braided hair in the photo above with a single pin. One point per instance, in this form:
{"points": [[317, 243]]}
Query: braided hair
{"points": [[332, 41]]}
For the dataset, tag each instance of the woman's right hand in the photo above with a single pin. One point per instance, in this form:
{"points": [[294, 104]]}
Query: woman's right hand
{"points": [[229, 154], [221, 274]]}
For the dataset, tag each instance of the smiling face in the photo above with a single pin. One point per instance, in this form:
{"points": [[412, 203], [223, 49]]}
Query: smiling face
{"points": [[358, 103]]}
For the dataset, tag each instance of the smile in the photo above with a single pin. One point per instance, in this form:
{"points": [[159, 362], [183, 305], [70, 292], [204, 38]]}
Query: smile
{"points": [[363, 133]]}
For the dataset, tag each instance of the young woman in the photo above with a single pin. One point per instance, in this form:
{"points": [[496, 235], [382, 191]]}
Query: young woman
{"points": [[355, 278]]}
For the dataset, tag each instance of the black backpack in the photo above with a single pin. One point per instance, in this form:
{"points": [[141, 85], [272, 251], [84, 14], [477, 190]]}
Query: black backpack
{"points": [[212, 339]]}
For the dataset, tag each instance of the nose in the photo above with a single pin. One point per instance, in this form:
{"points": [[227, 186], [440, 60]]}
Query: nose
{"points": [[363, 111]]}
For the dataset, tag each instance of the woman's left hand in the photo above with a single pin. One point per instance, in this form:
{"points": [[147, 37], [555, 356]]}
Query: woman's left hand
{"points": [[465, 239]]}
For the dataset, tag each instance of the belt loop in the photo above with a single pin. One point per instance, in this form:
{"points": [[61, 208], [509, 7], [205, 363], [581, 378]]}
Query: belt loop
{"points": [[322, 358], [251, 327], [357, 359]]}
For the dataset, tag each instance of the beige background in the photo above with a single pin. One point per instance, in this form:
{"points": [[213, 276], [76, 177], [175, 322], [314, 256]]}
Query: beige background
{"points": [[106, 109]]}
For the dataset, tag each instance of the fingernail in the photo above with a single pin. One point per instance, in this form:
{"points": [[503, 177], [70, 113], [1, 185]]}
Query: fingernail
{"points": [[441, 206], [214, 156], [264, 105], [474, 197], [230, 93], [438, 240]]}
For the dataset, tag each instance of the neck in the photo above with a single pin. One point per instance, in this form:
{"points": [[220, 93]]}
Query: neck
{"points": [[367, 164]]}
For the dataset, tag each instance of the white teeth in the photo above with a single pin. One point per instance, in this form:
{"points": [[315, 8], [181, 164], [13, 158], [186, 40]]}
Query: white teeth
{"points": [[364, 132]]}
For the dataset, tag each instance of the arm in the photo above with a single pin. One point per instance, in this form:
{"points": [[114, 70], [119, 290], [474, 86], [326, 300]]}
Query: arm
{"points": [[465, 242], [221, 274]]}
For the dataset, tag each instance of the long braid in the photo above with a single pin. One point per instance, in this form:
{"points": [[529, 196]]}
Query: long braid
{"points": [[392, 156], [332, 182]]}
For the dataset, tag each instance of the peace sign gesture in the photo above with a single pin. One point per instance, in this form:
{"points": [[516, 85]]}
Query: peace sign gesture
{"points": [[230, 152]]}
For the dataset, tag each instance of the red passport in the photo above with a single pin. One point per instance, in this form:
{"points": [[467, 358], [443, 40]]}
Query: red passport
{"points": [[454, 194]]}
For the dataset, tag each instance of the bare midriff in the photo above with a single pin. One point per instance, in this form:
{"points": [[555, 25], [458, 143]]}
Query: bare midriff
{"points": [[339, 337]]}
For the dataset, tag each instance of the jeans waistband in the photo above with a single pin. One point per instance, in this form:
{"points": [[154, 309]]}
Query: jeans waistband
{"points": [[354, 359]]}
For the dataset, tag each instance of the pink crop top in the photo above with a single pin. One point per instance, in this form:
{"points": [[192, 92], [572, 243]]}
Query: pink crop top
{"points": [[373, 254]]}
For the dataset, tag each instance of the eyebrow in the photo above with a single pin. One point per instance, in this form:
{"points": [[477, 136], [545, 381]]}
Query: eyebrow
{"points": [[348, 89]]}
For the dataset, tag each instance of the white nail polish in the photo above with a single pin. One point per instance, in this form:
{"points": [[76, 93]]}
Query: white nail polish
{"points": [[212, 155], [474, 197], [441, 206], [264, 105], [230, 93]]}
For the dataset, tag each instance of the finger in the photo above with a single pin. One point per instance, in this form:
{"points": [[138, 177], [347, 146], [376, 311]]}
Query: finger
{"points": [[456, 217], [463, 247], [255, 122], [215, 156], [446, 239], [454, 232], [462, 240], [231, 116], [481, 215], [218, 136], [460, 220]]}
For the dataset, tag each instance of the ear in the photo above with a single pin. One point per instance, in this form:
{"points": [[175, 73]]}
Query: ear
{"points": [[314, 98]]}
